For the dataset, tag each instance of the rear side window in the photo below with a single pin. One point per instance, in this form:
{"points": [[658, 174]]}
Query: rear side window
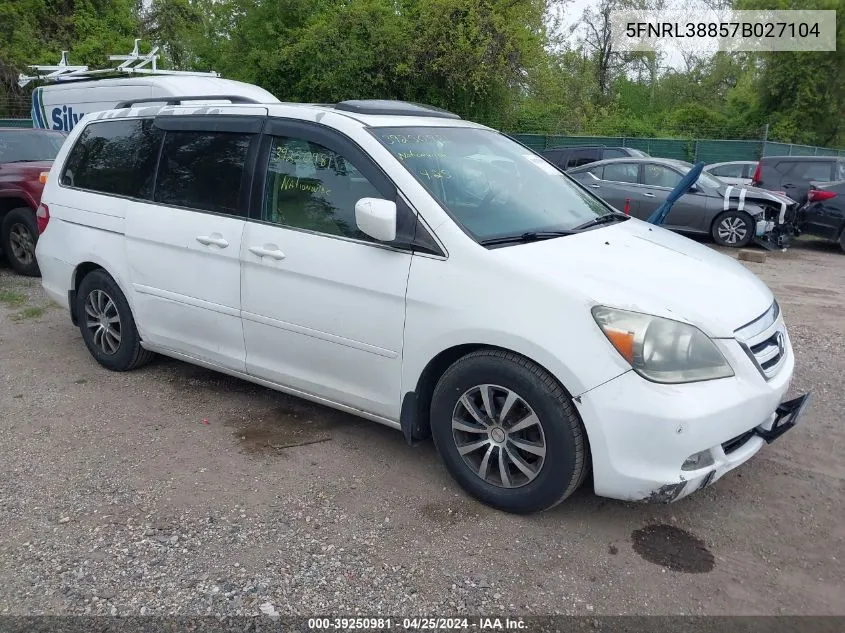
{"points": [[203, 170], [614, 153], [115, 157], [819, 171], [729, 171], [582, 157], [621, 172]]}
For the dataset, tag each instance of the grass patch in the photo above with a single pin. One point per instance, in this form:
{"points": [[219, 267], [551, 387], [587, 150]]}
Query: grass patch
{"points": [[12, 298], [32, 312]]}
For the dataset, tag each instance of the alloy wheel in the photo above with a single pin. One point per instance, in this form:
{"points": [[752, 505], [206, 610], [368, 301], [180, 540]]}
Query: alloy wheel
{"points": [[103, 321], [732, 230], [499, 436]]}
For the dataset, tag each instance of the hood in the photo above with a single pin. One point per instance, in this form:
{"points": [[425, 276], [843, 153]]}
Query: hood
{"points": [[636, 266]]}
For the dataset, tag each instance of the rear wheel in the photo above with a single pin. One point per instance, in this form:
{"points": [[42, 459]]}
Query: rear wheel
{"points": [[508, 432], [19, 233], [107, 325], [733, 228]]}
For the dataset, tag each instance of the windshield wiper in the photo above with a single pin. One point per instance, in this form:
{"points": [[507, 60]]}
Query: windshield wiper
{"points": [[529, 236], [26, 160], [602, 219]]}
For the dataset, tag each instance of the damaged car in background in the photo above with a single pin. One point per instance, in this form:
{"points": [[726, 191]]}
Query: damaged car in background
{"points": [[732, 215]]}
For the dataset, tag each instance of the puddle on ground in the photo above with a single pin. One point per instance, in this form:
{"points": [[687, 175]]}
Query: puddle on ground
{"points": [[673, 548], [287, 426]]}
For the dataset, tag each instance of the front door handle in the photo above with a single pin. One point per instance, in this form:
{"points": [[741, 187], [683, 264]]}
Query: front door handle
{"points": [[275, 253], [209, 240], [596, 186], [648, 195]]}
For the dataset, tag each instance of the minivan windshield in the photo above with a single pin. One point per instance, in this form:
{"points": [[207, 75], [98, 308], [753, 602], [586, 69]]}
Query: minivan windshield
{"points": [[20, 146], [491, 185]]}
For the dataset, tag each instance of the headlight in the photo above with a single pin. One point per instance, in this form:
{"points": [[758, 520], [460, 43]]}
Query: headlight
{"points": [[662, 350]]}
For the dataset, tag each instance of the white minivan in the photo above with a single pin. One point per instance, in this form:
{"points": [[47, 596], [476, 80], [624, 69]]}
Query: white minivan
{"points": [[396, 262]]}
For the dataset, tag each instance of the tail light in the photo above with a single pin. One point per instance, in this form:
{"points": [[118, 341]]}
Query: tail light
{"points": [[755, 179], [817, 195], [42, 217]]}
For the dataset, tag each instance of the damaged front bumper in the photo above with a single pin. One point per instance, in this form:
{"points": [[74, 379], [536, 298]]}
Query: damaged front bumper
{"points": [[656, 442], [734, 452]]}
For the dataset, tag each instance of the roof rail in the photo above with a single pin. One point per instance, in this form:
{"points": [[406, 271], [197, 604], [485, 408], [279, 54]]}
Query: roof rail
{"points": [[177, 100], [391, 107], [133, 64]]}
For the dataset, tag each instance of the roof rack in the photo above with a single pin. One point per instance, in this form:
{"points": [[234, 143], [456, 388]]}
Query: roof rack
{"points": [[132, 64], [179, 99], [390, 107]]}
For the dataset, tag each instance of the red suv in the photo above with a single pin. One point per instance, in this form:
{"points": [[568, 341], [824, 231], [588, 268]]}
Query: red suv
{"points": [[24, 154]]}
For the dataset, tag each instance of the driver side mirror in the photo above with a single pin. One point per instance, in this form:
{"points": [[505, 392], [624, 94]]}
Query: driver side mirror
{"points": [[376, 218]]}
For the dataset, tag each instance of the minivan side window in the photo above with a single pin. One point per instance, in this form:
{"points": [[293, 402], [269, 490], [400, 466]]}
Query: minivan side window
{"points": [[114, 157], [314, 188], [202, 170]]}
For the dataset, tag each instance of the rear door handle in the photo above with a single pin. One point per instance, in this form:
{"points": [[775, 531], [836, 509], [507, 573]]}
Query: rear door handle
{"points": [[208, 241], [648, 195], [275, 253], [596, 186]]}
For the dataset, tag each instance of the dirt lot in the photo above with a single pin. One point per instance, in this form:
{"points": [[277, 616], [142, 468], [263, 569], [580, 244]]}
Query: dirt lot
{"points": [[173, 489]]}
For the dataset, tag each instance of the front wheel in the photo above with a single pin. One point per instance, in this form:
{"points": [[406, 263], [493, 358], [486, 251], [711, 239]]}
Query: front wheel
{"points": [[508, 432], [18, 234], [733, 228]]}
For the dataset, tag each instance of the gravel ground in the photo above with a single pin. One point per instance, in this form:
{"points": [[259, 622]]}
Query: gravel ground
{"points": [[173, 489]]}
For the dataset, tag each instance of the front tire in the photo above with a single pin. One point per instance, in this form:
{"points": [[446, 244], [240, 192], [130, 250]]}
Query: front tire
{"points": [[19, 233], [508, 432], [734, 229], [107, 325]]}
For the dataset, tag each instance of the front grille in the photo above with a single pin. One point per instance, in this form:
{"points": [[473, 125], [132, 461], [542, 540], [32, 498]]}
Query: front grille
{"points": [[769, 353], [737, 442], [764, 339]]}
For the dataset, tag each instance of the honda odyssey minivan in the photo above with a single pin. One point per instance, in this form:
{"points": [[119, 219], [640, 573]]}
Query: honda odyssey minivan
{"points": [[401, 264]]}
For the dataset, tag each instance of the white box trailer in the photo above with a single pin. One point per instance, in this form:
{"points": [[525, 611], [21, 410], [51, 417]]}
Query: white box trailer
{"points": [[71, 92]]}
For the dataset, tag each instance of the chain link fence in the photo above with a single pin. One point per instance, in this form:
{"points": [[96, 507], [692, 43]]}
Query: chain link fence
{"points": [[691, 150]]}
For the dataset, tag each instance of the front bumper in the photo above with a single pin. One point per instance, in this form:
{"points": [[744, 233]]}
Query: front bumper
{"points": [[642, 434]]}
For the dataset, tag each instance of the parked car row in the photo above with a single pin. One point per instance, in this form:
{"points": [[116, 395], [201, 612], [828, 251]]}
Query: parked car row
{"points": [[642, 184], [733, 202]]}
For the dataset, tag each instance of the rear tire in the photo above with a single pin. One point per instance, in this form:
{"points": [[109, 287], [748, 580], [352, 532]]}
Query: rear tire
{"points": [[734, 229], [508, 432], [18, 235], [107, 325]]}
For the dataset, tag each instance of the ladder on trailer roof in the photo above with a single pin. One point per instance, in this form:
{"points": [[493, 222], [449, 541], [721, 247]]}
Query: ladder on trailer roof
{"points": [[132, 64]]}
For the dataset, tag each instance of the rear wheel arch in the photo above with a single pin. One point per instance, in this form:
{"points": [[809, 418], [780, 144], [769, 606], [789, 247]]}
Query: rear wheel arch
{"points": [[85, 268]]}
